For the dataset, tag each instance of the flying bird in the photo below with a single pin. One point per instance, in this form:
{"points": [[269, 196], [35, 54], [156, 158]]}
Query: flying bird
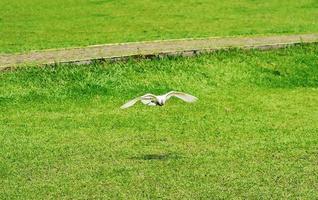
{"points": [[153, 100]]}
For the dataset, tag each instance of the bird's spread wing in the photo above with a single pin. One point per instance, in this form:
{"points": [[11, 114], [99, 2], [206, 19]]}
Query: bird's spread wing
{"points": [[149, 99], [184, 96], [130, 103]]}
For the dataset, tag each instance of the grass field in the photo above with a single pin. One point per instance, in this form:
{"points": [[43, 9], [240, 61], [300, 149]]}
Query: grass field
{"points": [[37, 24], [252, 134]]}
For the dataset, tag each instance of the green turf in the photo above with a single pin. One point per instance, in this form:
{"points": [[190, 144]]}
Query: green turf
{"points": [[252, 134], [37, 24]]}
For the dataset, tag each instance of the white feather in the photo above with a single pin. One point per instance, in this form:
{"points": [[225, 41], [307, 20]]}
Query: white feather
{"points": [[153, 100], [130, 103], [183, 96]]}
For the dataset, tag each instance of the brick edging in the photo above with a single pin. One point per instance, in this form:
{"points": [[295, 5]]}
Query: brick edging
{"points": [[151, 48]]}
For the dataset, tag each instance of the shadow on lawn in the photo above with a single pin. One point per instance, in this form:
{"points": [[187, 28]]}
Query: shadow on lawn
{"points": [[164, 156]]}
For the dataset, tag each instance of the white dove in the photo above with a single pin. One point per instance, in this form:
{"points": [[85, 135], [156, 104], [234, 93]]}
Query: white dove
{"points": [[153, 100]]}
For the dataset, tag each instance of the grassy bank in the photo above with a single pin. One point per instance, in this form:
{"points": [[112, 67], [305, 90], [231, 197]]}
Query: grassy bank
{"points": [[252, 134], [36, 24]]}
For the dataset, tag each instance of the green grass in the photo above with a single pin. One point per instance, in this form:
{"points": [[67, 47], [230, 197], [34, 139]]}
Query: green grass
{"points": [[252, 134], [37, 24]]}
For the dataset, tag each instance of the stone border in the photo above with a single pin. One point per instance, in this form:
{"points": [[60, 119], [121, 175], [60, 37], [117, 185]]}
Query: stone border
{"points": [[184, 47]]}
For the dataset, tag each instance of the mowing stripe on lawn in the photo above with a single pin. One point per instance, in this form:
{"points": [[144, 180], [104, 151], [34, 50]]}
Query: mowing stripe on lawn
{"points": [[152, 48]]}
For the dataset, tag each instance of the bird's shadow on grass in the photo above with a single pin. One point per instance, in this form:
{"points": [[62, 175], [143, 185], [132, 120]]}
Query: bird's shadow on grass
{"points": [[160, 157]]}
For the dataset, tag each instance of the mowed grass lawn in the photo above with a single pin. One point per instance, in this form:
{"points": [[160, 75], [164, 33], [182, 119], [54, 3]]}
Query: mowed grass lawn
{"points": [[37, 24], [252, 134]]}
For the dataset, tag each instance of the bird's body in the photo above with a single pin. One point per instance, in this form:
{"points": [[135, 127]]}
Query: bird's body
{"points": [[153, 100]]}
